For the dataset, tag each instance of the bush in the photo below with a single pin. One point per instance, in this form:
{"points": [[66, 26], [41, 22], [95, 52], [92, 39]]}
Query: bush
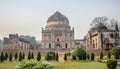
{"points": [[116, 52], [2, 56], [80, 53], [50, 56], [88, 56], [92, 56], [10, 57], [29, 56], [6, 56], [23, 56], [16, 56], [74, 57], [32, 55], [38, 56], [101, 55], [111, 64], [56, 56], [20, 56], [65, 57], [109, 54], [34, 65]]}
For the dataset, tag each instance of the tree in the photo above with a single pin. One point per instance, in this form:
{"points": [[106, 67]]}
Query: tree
{"points": [[116, 52], [29, 56], [56, 56], [20, 56], [10, 57], [23, 55], [6, 56], [32, 55], [65, 57], [38, 56], [109, 54], [99, 20], [92, 56], [2, 56], [16, 56], [80, 53], [101, 55], [88, 56]]}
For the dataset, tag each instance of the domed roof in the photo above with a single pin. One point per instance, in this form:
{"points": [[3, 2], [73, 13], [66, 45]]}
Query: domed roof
{"points": [[57, 16]]}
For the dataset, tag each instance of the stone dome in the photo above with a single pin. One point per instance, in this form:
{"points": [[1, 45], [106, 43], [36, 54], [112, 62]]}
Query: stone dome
{"points": [[57, 21]]}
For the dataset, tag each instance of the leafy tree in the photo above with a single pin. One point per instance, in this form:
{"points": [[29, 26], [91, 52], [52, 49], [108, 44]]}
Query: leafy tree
{"points": [[80, 53], [101, 55], [88, 56], [38, 56], [6, 56], [16, 56], [2, 56], [92, 56], [29, 56], [20, 56], [109, 54], [10, 57], [56, 56], [65, 56], [32, 55]]}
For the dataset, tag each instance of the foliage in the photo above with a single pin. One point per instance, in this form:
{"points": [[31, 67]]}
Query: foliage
{"points": [[101, 55], [29, 55], [51, 56], [80, 53], [88, 56], [6, 56], [2, 56], [56, 56], [32, 55], [92, 56], [74, 57], [34, 65], [109, 54], [111, 64], [16, 56], [65, 57], [23, 55], [38, 56], [20, 56], [116, 52], [10, 57]]}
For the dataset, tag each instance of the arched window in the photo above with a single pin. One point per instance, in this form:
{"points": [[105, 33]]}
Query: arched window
{"points": [[57, 39], [49, 45], [66, 45]]}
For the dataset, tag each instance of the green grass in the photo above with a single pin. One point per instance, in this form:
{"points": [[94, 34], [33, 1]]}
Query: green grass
{"points": [[64, 65]]}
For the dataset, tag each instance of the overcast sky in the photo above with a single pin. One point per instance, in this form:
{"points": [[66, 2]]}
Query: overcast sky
{"points": [[27, 17]]}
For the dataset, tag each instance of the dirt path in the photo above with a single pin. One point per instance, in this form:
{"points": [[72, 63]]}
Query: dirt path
{"points": [[61, 58]]}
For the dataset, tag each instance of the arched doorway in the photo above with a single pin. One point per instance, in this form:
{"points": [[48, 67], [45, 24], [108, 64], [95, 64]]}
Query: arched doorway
{"points": [[57, 46]]}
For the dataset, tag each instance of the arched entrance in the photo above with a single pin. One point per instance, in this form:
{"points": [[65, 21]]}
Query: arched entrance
{"points": [[57, 46]]}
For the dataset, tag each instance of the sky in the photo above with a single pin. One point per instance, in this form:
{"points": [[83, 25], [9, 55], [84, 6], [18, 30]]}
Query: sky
{"points": [[27, 17]]}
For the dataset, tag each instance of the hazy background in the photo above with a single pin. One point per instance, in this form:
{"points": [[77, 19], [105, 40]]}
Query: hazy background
{"points": [[27, 17]]}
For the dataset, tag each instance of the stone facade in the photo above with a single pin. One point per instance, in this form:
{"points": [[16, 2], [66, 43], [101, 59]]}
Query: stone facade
{"points": [[15, 44], [57, 34], [101, 38]]}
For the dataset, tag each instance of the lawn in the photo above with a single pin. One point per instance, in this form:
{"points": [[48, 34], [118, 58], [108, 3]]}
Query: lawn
{"points": [[59, 65]]}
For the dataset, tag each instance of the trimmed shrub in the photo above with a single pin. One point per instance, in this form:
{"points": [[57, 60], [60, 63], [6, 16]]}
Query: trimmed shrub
{"points": [[50, 56], [74, 57], [101, 55], [16, 56], [65, 57], [32, 55], [20, 56], [92, 56], [88, 56], [38, 56], [111, 64], [2, 56], [109, 54], [80, 53], [116, 52], [6, 56], [10, 57], [29, 56], [56, 56], [23, 56]]}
